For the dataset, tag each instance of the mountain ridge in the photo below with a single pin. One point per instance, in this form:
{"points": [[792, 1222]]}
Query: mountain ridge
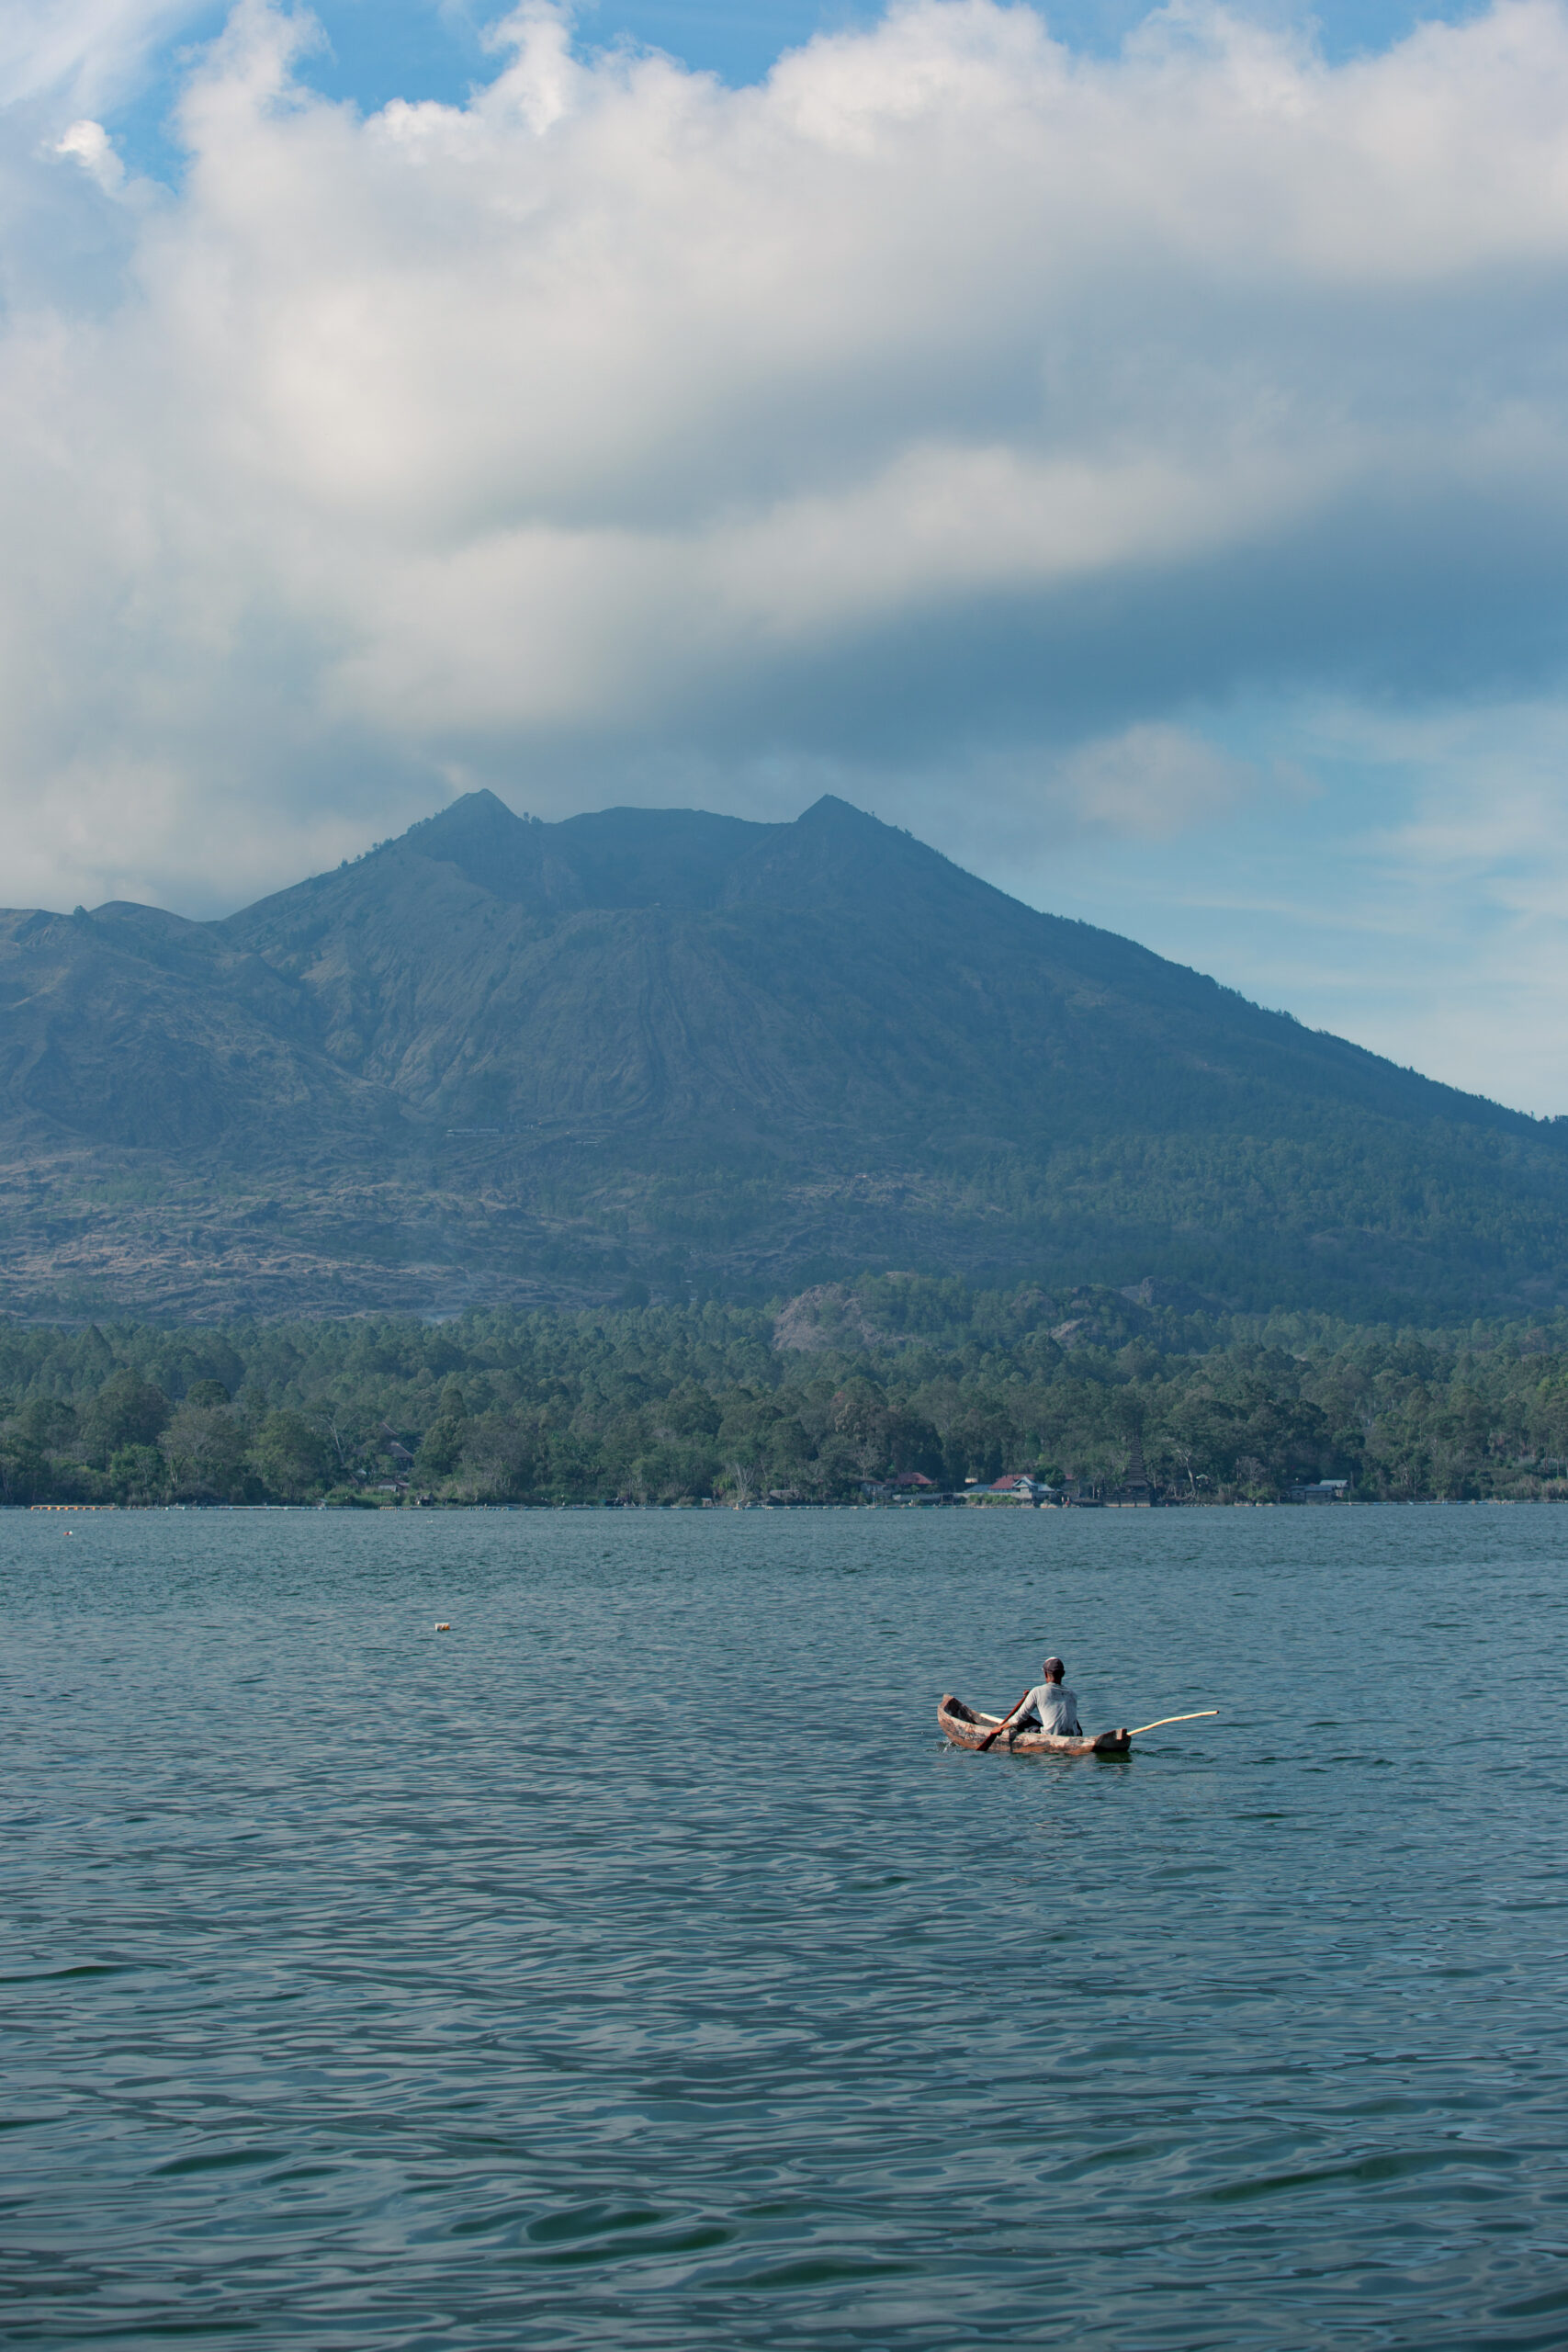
{"points": [[496, 1057]]}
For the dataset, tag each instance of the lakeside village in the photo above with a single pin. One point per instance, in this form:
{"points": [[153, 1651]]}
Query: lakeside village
{"points": [[1136, 1491], [847, 1443], [706, 1409], [910, 1489], [738, 1490]]}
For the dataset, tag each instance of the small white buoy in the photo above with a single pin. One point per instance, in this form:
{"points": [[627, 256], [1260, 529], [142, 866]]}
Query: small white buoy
{"points": [[444, 1627]]}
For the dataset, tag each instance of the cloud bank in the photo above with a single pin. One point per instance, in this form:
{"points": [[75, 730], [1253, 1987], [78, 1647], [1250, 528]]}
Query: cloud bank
{"points": [[948, 407]]}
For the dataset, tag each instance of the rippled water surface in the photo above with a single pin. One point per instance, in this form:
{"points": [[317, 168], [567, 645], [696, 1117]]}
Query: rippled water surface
{"points": [[633, 1964]]}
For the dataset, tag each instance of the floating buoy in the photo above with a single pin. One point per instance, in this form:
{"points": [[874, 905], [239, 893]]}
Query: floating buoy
{"points": [[444, 1627]]}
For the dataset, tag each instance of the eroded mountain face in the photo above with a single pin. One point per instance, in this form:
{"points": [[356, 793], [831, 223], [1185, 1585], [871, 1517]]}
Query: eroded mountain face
{"points": [[503, 1059]]}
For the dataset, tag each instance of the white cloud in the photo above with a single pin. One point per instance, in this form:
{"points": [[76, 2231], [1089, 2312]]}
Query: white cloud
{"points": [[89, 144], [948, 400], [1470, 891], [1408, 888], [91, 48], [1152, 781]]}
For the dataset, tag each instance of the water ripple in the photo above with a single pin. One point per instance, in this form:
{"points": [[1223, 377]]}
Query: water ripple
{"points": [[635, 1965]]}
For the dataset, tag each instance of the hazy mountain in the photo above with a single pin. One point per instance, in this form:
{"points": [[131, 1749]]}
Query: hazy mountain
{"points": [[501, 1058]]}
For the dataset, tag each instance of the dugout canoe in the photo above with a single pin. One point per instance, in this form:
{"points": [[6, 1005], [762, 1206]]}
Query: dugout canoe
{"points": [[966, 1727]]}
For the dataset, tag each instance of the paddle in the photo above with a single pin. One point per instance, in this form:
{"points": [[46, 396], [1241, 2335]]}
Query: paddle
{"points": [[1158, 1722], [1002, 1725]]}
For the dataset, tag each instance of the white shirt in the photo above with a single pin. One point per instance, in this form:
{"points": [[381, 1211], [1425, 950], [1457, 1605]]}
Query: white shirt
{"points": [[1057, 1708]]}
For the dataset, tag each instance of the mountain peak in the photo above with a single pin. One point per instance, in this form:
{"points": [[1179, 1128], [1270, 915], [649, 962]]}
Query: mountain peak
{"points": [[473, 816], [758, 1048], [494, 848], [842, 815]]}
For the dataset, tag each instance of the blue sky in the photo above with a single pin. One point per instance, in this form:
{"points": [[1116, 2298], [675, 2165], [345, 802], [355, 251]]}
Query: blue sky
{"points": [[1129, 450], [376, 50]]}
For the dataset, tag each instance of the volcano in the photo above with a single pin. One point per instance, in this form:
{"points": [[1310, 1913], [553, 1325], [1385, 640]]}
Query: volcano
{"points": [[498, 1060]]}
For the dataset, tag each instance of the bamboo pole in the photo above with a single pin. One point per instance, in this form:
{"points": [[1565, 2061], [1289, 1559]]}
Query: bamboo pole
{"points": [[1172, 1719]]}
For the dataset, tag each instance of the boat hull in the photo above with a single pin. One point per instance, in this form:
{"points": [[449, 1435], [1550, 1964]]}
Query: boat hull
{"points": [[968, 1727]]}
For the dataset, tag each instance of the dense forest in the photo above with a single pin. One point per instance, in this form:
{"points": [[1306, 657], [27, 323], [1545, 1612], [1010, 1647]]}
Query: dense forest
{"points": [[835, 1392]]}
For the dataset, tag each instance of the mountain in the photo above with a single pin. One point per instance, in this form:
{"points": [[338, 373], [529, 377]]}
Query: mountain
{"points": [[497, 1059]]}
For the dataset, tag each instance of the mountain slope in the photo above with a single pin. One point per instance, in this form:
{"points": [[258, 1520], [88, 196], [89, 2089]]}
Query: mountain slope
{"points": [[485, 965], [134, 1026], [497, 1058]]}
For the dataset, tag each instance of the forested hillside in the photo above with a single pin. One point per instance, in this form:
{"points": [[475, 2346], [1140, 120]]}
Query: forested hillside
{"points": [[807, 1403]]}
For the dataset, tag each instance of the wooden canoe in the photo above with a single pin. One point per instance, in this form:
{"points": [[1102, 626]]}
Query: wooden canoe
{"points": [[966, 1727]]}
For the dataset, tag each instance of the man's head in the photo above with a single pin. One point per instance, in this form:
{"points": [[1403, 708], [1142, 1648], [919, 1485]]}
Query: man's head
{"points": [[1054, 1669]]}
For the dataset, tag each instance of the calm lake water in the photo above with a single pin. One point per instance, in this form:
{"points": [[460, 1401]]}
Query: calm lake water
{"points": [[634, 1966]]}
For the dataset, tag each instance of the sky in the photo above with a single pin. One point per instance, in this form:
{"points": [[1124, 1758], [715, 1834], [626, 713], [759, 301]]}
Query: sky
{"points": [[1129, 450]]}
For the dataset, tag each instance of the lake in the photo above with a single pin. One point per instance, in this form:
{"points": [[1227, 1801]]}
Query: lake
{"points": [[635, 1965]]}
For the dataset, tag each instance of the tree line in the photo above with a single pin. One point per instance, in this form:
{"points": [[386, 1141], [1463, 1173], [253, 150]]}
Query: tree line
{"points": [[667, 1404]]}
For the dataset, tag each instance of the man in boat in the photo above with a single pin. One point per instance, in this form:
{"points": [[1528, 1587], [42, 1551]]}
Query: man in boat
{"points": [[1049, 1707]]}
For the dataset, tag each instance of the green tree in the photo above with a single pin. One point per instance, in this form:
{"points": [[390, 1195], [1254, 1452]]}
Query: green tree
{"points": [[47, 1422], [26, 1471], [500, 1460], [127, 1411], [205, 1447], [441, 1448], [138, 1473], [291, 1457]]}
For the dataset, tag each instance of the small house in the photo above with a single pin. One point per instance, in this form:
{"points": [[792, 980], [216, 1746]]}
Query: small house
{"points": [[1322, 1491]]}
